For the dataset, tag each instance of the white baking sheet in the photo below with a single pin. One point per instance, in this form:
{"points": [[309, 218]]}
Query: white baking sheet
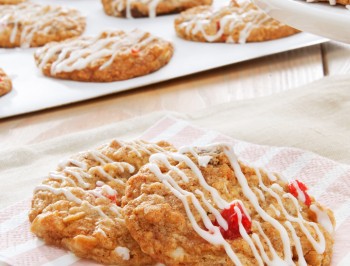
{"points": [[32, 91]]}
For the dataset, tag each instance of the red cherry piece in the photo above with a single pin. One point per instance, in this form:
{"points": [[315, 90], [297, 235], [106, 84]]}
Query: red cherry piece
{"points": [[134, 51], [231, 216], [112, 198], [218, 26], [296, 186]]}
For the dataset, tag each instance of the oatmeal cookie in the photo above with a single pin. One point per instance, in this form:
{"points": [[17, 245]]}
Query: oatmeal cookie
{"points": [[32, 25], [240, 22], [332, 2], [111, 56], [151, 8], [78, 205], [5, 83], [11, 2], [201, 206]]}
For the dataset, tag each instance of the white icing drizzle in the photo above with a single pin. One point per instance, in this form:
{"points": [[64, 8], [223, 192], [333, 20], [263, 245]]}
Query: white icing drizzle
{"points": [[296, 239], [322, 218], [271, 176], [116, 209], [348, 7], [100, 230], [137, 145], [99, 157], [221, 221], [71, 197], [278, 213], [244, 234], [318, 246], [108, 190], [33, 19], [77, 54], [225, 188], [103, 191], [99, 183], [67, 193], [152, 7], [121, 166], [212, 233], [276, 260], [220, 202], [275, 186], [213, 236], [261, 195], [59, 176], [71, 161], [123, 252], [119, 6], [79, 172], [254, 201], [95, 208], [246, 18], [202, 160], [103, 173], [97, 193]]}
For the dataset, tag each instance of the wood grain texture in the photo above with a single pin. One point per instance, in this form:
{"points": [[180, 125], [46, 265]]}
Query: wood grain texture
{"points": [[250, 79], [336, 58]]}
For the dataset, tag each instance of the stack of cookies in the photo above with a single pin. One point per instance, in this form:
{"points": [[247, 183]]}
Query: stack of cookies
{"points": [[140, 203]]}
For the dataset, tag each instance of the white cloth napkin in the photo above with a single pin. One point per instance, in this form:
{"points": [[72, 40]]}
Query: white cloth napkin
{"points": [[315, 117]]}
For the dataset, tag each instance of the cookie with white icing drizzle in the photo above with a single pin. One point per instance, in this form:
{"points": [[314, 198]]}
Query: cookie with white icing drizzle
{"points": [[78, 205], [11, 2], [148, 8], [240, 22], [32, 25], [332, 2], [201, 206], [5, 83], [110, 56]]}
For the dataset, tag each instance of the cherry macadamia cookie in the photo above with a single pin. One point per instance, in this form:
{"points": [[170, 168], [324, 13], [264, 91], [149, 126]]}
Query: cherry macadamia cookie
{"points": [[78, 205], [201, 206], [110, 56], [11, 2], [5, 83], [240, 22], [32, 25], [150, 8]]}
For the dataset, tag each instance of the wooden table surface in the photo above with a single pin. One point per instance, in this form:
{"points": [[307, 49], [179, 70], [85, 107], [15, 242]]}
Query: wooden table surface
{"points": [[255, 78]]}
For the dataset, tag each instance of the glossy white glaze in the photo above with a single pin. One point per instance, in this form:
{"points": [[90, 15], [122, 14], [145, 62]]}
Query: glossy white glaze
{"points": [[31, 19], [206, 198]]}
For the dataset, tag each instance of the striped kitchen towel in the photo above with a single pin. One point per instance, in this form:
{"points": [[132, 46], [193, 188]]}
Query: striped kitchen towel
{"points": [[327, 180]]}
